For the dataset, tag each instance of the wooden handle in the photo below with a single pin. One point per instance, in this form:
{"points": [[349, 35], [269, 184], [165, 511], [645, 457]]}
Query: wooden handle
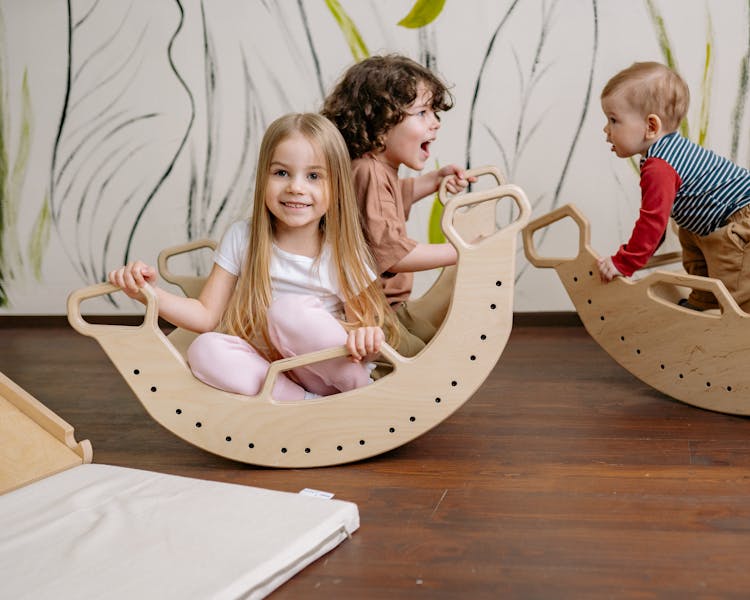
{"points": [[191, 285], [567, 210], [76, 320], [470, 198], [727, 303], [476, 172], [286, 364], [168, 253]]}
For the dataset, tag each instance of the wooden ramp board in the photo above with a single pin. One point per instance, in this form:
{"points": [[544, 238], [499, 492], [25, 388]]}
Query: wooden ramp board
{"points": [[420, 392], [698, 358], [34, 441]]}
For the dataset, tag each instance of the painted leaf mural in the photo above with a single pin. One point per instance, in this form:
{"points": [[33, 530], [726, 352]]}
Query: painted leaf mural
{"points": [[148, 135], [125, 116], [14, 158], [516, 96], [422, 13], [351, 33], [166, 105]]}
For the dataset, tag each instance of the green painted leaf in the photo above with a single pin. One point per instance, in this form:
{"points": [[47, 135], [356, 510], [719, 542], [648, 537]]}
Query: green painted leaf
{"points": [[665, 46], [40, 238], [16, 177], [739, 104], [3, 184], [706, 85], [635, 165], [435, 231], [351, 34], [422, 13]]}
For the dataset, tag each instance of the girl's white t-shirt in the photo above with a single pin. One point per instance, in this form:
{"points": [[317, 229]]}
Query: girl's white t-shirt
{"points": [[290, 273]]}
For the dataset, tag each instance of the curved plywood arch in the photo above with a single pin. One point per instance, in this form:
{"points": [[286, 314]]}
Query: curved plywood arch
{"points": [[697, 358], [420, 392]]}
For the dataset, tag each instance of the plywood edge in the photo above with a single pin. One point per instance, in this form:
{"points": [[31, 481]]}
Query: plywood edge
{"points": [[57, 427]]}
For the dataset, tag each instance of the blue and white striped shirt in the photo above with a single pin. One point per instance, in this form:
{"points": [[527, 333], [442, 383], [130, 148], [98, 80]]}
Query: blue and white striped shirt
{"points": [[712, 187]]}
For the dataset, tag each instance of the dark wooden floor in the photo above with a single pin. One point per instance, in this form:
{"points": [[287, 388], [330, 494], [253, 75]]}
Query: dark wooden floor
{"points": [[563, 477]]}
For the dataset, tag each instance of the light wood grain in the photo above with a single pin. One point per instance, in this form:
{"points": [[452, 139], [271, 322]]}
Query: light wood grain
{"points": [[694, 357], [419, 393], [34, 441]]}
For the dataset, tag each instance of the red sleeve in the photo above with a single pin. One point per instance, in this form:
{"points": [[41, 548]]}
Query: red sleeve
{"points": [[659, 185]]}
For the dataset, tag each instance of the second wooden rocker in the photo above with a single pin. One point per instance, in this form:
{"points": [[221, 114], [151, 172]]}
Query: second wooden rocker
{"points": [[699, 358]]}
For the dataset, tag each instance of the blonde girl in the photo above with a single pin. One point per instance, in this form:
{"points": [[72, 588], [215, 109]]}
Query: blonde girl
{"points": [[295, 278]]}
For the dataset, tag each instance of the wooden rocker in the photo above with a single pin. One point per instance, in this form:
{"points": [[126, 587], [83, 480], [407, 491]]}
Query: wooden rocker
{"points": [[418, 394], [699, 358]]}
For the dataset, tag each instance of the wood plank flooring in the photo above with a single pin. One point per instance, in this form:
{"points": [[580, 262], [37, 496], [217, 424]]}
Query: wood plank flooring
{"points": [[563, 477]]}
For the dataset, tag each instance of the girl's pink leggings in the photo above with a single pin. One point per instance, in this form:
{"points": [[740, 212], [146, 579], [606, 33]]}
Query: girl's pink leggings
{"points": [[296, 325]]}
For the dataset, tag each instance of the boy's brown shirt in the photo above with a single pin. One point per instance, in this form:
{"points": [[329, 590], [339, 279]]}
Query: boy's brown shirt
{"points": [[384, 204]]}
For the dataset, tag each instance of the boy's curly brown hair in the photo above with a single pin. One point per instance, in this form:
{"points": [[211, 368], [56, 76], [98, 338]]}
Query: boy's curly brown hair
{"points": [[372, 96]]}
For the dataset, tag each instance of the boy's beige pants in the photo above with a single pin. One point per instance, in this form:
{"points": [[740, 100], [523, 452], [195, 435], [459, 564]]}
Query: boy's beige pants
{"points": [[722, 254]]}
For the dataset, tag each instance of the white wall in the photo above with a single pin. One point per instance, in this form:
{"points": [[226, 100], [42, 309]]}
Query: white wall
{"points": [[142, 132]]}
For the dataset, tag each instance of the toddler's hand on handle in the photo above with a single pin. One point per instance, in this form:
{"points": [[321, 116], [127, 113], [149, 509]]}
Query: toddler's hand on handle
{"points": [[607, 269], [364, 343], [457, 179], [132, 277]]}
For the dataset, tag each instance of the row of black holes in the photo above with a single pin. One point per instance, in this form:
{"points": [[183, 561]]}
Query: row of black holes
{"points": [[638, 350], [340, 448], [663, 367]]}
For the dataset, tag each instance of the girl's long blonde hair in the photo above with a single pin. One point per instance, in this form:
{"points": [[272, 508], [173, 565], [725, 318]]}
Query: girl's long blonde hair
{"points": [[340, 229]]}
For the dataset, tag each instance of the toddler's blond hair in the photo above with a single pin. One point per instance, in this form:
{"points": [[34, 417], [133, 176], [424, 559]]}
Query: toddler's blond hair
{"points": [[652, 88]]}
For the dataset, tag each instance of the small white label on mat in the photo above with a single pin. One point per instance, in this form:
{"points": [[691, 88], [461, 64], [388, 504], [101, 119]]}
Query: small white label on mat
{"points": [[316, 493]]}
